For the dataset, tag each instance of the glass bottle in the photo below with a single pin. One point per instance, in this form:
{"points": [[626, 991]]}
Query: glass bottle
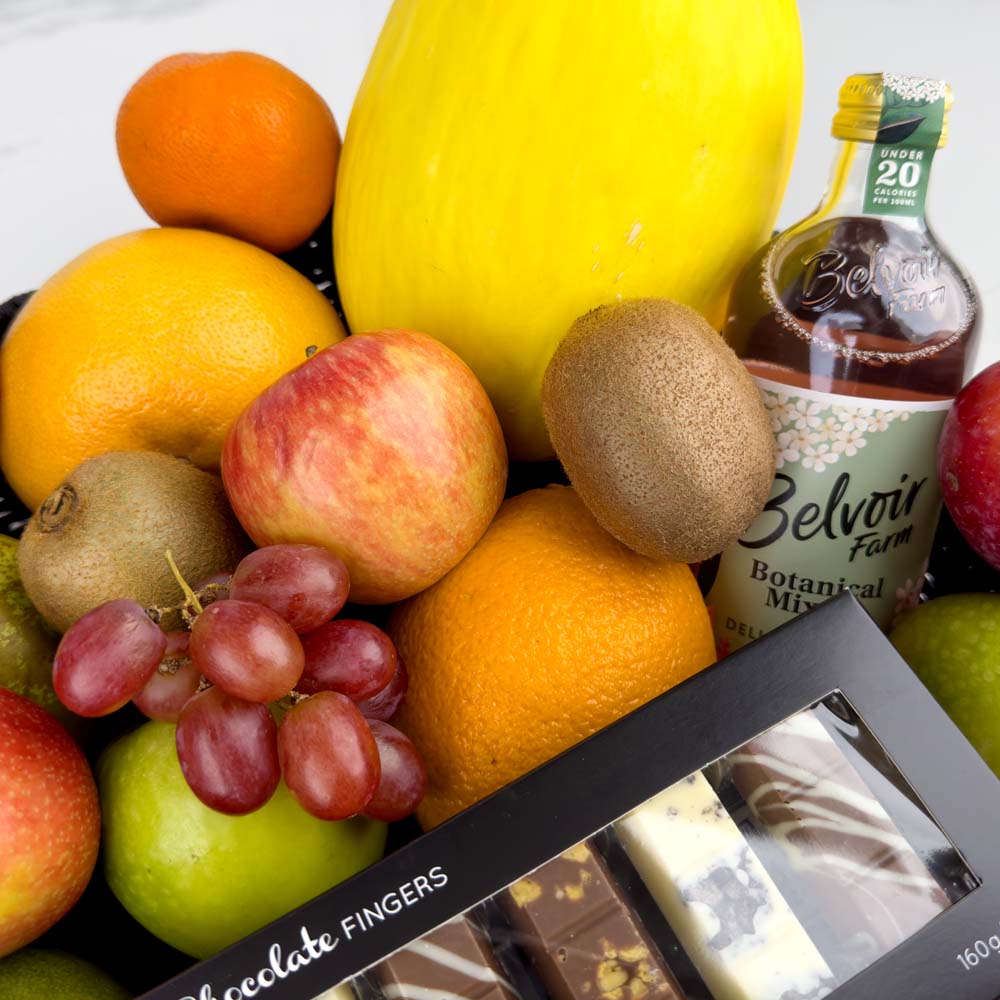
{"points": [[858, 327]]}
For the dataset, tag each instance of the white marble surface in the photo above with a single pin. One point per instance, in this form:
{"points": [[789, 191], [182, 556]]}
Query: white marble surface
{"points": [[65, 64]]}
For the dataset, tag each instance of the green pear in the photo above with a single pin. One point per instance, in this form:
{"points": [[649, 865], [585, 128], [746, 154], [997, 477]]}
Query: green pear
{"points": [[951, 644], [34, 973], [27, 644]]}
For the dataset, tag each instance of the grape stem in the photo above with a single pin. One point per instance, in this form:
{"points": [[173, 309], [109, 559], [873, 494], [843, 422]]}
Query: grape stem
{"points": [[291, 700], [192, 597], [210, 592]]}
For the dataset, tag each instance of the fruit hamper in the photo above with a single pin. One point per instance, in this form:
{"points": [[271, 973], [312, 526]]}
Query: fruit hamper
{"points": [[582, 848], [519, 509]]}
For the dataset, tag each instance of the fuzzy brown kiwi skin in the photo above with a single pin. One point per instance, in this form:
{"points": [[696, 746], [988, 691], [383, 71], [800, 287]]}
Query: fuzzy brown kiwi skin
{"points": [[102, 534], [660, 428]]}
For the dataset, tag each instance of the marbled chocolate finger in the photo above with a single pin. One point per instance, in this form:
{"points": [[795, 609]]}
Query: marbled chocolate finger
{"points": [[341, 992], [723, 906], [581, 935]]}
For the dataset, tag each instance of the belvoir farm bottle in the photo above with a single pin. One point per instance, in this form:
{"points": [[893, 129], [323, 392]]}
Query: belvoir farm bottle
{"points": [[857, 326]]}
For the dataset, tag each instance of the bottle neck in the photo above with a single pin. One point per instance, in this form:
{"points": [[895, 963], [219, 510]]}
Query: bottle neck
{"points": [[870, 180]]}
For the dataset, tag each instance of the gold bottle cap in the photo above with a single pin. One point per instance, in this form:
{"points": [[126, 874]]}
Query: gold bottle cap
{"points": [[860, 104]]}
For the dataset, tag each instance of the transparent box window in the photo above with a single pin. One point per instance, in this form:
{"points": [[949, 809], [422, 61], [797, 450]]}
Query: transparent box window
{"points": [[778, 872]]}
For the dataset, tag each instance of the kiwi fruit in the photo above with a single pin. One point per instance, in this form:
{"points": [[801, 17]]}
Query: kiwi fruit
{"points": [[103, 533], [660, 428]]}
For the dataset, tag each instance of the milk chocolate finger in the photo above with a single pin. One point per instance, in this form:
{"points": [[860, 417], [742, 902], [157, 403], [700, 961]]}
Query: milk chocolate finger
{"points": [[864, 874], [581, 935]]}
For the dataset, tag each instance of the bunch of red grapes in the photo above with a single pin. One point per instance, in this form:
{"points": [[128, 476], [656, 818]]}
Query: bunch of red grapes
{"points": [[265, 647]]}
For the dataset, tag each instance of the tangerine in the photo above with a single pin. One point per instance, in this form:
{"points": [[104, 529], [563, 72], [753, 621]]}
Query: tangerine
{"points": [[230, 141]]}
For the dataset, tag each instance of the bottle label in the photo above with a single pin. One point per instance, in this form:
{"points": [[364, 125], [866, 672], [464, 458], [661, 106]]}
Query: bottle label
{"points": [[854, 506], [909, 129]]}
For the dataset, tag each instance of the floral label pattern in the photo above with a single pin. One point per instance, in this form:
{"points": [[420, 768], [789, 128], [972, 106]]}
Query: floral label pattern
{"points": [[854, 506], [816, 435]]}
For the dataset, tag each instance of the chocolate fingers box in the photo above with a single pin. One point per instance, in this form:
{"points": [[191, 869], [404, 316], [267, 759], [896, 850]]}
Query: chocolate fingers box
{"points": [[799, 821]]}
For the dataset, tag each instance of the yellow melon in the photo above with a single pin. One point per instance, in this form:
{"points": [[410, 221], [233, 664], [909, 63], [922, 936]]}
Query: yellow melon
{"points": [[510, 164]]}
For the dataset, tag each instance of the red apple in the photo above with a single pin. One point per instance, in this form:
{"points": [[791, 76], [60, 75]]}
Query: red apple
{"points": [[384, 449], [50, 821], [969, 463]]}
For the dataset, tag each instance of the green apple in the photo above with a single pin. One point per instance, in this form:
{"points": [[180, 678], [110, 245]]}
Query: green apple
{"points": [[201, 880], [953, 645], [33, 973]]}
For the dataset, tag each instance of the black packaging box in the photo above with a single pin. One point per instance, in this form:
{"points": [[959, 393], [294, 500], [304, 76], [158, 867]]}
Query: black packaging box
{"points": [[871, 704]]}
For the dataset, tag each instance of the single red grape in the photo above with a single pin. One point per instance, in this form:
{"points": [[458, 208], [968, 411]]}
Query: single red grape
{"points": [[304, 584], [385, 704], [228, 751], [349, 656], [403, 775], [329, 758], [106, 658], [247, 650], [177, 646], [174, 682]]}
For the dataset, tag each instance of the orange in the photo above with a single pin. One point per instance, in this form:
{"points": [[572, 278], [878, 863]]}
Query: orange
{"points": [[233, 142], [155, 340], [547, 631]]}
